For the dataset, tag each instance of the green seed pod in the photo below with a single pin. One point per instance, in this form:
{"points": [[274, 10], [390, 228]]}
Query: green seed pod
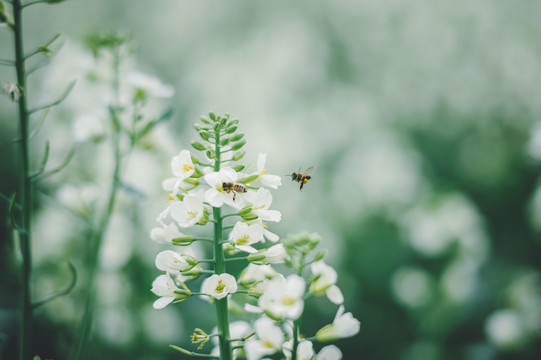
{"points": [[238, 145], [198, 146], [231, 130], [225, 141], [238, 167], [239, 155], [237, 137]]}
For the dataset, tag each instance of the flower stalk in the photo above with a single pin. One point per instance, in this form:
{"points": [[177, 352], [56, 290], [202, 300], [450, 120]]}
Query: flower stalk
{"points": [[25, 234]]}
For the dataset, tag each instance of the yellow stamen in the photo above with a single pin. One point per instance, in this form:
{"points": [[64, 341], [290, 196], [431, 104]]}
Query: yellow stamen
{"points": [[263, 172], [220, 286], [267, 344], [170, 198], [187, 167], [288, 301], [243, 240], [191, 215]]}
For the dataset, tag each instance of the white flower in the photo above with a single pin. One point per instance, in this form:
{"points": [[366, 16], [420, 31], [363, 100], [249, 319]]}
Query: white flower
{"points": [[219, 286], [305, 350], [216, 196], [272, 181], [329, 352], [343, 326], [270, 339], [256, 273], [166, 234], [261, 203], [187, 212], [165, 287], [274, 255], [244, 235], [150, 84], [284, 297], [325, 282], [182, 165], [173, 262]]}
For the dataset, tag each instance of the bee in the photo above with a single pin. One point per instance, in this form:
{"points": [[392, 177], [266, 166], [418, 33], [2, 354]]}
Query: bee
{"points": [[302, 177], [234, 188]]}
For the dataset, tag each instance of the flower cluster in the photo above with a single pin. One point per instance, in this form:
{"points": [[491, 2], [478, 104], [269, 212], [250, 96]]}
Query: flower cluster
{"points": [[217, 189]]}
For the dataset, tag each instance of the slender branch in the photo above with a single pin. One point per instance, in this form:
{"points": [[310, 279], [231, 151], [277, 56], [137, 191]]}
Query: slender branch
{"points": [[37, 66], [229, 215], [25, 236], [10, 200], [56, 102], [194, 354], [7, 62], [41, 48], [66, 291], [243, 338], [236, 258], [40, 175], [206, 261], [30, 3]]}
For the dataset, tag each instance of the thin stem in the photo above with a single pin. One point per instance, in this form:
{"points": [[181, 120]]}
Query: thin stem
{"points": [[226, 352], [25, 339], [297, 323], [7, 62], [236, 258], [98, 235]]}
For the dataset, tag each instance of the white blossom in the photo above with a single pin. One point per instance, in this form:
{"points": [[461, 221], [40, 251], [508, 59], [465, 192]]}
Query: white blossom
{"points": [[173, 262], [274, 255], [165, 287], [219, 286], [244, 235], [182, 165], [272, 181], [261, 204], [329, 352], [216, 196], [343, 326], [150, 84], [269, 340], [305, 350], [256, 273], [284, 297], [166, 234], [187, 212], [325, 282]]}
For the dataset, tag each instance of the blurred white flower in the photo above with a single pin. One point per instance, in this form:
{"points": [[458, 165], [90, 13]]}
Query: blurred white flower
{"points": [[219, 286], [88, 126], [343, 326], [272, 181], [255, 273], [261, 204], [269, 340], [284, 297], [150, 84], [325, 282], [329, 352], [505, 329], [166, 234], [305, 350]]}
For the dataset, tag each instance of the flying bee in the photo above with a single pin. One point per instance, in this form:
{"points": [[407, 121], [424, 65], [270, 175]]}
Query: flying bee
{"points": [[302, 177], [234, 188]]}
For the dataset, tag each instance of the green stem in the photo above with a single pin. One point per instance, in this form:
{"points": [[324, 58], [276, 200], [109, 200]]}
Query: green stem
{"points": [[97, 236], [297, 323], [219, 268], [25, 339]]}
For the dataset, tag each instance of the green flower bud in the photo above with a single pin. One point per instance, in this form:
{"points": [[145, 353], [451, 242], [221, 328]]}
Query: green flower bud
{"points": [[212, 116], [183, 241], [239, 155], [204, 120], [238, 167], [320, 255], [238, 145], [211, 154], [198, 146], [245, 211], [194, 160], [249, 179], [192, 181], [225, 141], [205, 135], [197, 173], [237, 137], [231, 130]]}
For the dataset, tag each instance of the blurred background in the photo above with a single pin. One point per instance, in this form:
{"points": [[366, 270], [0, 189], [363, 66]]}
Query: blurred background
{"points": [[422, 119]]}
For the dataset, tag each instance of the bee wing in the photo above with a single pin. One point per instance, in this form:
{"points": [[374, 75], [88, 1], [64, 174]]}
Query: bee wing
{"points": [[310, 170]]}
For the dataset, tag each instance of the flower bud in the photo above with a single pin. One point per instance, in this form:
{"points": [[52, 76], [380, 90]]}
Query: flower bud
{"points": [[211, 154], [320, 255], [238, 145], [192, 181], [231, 130], [238, 167], [212, 116], [250, 179], [237, 137], [183, 241], [205, 135], [245, 211], [239, 155], [204, 120], [224, 141], [198, 146]]}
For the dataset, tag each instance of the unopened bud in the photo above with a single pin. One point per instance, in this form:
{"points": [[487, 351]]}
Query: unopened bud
{"points": [[198, 146]]}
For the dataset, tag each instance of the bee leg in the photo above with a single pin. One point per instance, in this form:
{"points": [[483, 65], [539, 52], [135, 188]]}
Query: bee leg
{"points": [[234, 195], [302, 183]]}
